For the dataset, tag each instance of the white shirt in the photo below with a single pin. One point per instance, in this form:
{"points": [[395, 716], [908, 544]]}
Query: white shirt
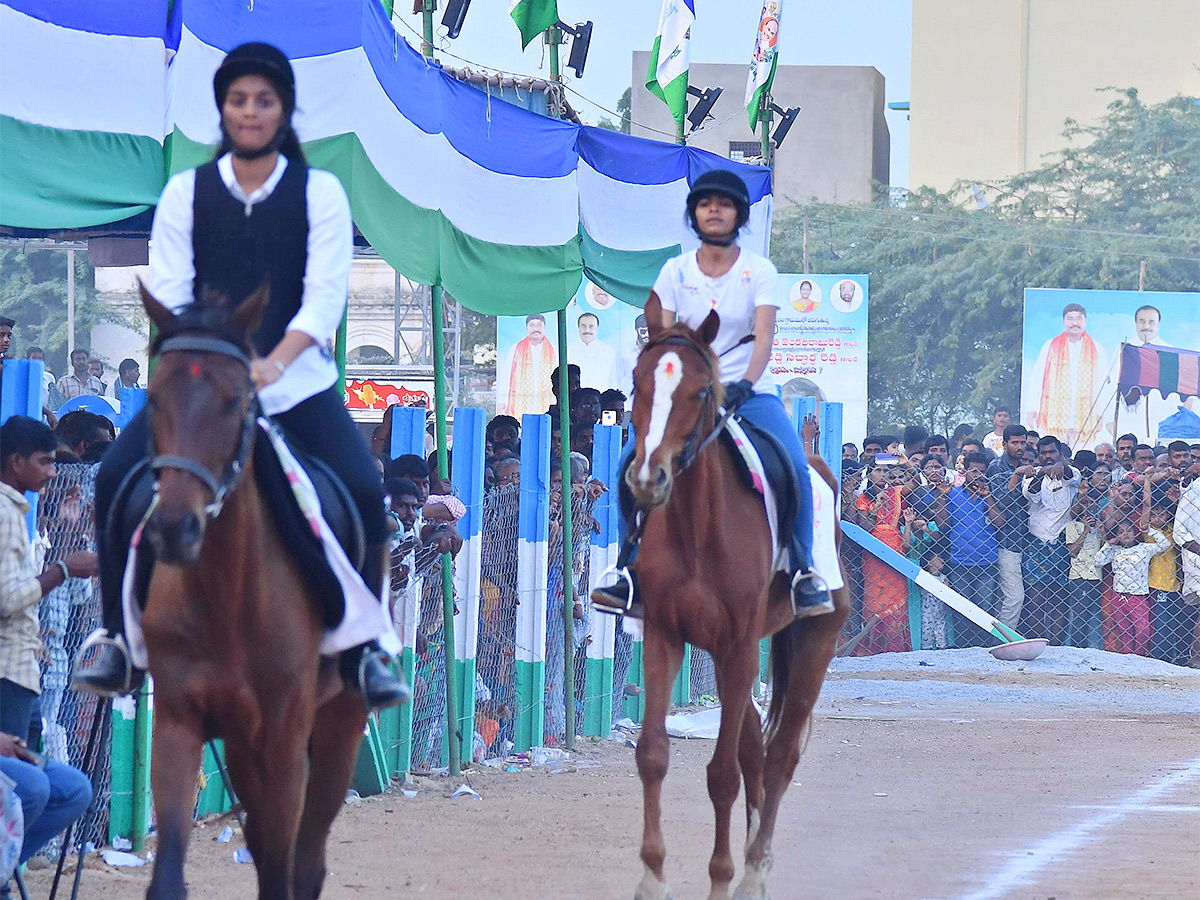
{"points": [[1050, 505], [1131, 565], [330, 251], [751, 282], [1187, 528], [597, 364]]}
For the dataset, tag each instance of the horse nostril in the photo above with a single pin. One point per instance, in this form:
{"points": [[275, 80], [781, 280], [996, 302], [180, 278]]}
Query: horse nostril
{"points": [[190, 529], [660, 479]]}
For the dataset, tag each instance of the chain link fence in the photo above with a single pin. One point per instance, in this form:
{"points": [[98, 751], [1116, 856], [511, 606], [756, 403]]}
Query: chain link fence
{"points": [[495, 665], [1079, 553], [68, 614]]}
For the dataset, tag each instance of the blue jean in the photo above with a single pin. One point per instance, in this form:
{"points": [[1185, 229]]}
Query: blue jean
{"points": [[50, 799], [977, 584], [1083, 614], [16, 708], [765, 411], [1173, 621]]}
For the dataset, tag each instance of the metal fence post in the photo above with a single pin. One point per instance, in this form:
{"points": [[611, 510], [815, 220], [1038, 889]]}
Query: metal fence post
{"points": [[467, 460], [598, 701], [533, 539]]}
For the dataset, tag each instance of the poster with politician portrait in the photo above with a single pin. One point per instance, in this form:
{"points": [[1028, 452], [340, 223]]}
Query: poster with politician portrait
{"points": [[1071, 359], [603, 339], [820, 346]]}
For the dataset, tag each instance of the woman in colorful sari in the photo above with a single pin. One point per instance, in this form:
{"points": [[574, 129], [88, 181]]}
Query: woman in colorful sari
{"points": [[885, 591]]}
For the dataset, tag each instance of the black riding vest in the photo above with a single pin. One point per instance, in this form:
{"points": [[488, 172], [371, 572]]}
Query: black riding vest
{"points": [[235, 252]]}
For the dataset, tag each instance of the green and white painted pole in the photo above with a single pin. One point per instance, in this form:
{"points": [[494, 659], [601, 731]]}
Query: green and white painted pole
{"points": [[470, 425], [598, 702], [396, 725], [533, 541]]}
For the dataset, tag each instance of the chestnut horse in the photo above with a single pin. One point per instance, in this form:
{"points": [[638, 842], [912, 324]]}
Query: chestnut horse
{"points": [[231, 628], [704, 575]]}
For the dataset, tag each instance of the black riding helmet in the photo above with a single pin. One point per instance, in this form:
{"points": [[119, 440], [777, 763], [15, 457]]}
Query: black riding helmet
{"points": [[257, 58], [727, 184]]}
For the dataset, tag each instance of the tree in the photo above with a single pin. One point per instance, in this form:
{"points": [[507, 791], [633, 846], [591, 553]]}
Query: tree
{"points": [[947, 283], [33, 290], [624, 105]]}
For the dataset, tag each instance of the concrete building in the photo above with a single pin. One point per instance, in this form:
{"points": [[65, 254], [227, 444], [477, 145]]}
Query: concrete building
{"points": [[994, 82], [838, 146]]}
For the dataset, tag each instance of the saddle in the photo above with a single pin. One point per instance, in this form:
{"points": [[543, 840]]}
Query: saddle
{"points": [[764, 467], [136, 492]]}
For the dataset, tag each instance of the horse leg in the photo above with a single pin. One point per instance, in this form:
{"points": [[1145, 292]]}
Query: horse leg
{"points": [[811, 648], [173, 778], [751, 757], [270, 777], [735, 671], [333, 753], [661, 661]]}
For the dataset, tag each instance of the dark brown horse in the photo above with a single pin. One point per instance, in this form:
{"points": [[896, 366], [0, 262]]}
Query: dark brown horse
{"points": [[704, 574], [231, 629]]}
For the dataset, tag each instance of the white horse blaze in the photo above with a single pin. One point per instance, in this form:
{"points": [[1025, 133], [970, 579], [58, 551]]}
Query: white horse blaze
{"points": [[668, 375]]}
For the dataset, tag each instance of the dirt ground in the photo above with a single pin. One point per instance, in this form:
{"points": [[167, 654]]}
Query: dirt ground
{"points": [[947, 800]]}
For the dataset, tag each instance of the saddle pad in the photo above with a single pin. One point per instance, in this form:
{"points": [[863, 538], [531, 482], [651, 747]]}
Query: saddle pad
{"points": [[755, 470], [360, 616]]}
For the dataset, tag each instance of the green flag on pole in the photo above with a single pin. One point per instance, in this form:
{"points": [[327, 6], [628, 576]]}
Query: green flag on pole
{"points": [[762, 64], [533, 17], [667, 78]]}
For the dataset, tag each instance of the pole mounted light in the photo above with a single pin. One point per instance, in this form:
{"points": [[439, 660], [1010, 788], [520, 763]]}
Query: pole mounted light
{"points": [[787, 118], [454, 16], [581, 40], [707, 99]]}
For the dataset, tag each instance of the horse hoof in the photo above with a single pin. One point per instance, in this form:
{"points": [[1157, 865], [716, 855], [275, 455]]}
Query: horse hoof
{"points": [[652, 889]]}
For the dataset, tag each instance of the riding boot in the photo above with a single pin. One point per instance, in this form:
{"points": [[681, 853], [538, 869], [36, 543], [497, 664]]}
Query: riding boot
{"points": [[365, 668], [112, 674], [621, 598], [810, 596]]}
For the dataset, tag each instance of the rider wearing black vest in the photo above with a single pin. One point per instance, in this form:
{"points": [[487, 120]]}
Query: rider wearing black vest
{"points": [[259, 213]]}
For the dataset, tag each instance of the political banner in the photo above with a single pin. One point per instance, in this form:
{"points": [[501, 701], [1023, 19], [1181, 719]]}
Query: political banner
{"points": [[1071, 361], [820, 347]]}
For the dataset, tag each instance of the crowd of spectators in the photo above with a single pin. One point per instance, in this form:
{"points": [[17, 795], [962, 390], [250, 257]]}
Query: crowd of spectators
{"points": [[1097, 548]]}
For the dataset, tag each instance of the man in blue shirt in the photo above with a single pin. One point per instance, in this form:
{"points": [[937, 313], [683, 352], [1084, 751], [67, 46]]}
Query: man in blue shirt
{"points": [[971, 515]]}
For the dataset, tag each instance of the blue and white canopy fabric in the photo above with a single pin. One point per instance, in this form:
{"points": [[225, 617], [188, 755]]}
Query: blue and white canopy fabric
{"points": [[507, 209]]}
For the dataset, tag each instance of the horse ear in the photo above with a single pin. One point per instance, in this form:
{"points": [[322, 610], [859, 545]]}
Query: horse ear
{"points": [[708, 328], [654, 318], [162, 317], [249, 314]]}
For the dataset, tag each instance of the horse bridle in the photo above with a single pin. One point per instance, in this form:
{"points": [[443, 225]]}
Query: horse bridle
{"points": [[219, 488]]}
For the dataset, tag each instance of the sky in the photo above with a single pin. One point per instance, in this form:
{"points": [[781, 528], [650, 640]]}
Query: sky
{"points": [[813, 32]]}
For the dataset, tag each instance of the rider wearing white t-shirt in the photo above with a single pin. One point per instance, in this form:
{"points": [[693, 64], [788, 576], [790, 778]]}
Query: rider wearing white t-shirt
{"points": [[743, 288]]}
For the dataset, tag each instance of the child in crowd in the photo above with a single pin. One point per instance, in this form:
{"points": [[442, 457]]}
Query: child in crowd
{"points": [[922, 543], [1168, 613], [1084, 581], [1127, 619]]}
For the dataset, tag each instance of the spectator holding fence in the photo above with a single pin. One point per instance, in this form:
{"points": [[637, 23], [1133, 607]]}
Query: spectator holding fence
{"points": [[1005, 477], [885, 591], [970, 515], [1186, 531], [1167, 609], [27, 465], [1051, 491], [1084, 578]]}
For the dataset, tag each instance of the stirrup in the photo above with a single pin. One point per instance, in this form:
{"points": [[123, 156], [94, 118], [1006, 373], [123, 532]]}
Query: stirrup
{"points": [[622, 574], [821, 599], [403, 692], [100, 638]]}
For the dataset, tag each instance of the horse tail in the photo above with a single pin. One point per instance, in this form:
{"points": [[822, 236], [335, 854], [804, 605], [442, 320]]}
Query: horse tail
{"points": [[782, 644]]}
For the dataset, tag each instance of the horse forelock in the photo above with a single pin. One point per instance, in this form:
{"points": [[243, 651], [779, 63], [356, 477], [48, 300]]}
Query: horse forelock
{"points": [[210, 318]]}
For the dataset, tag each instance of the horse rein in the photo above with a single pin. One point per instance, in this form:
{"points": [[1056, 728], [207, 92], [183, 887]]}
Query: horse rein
{"points": [[233, 472], [692, 447]]}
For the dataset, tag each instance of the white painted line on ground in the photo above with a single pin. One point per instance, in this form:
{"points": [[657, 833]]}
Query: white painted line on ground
{"points": [[1021, 870], [1151, 807]]}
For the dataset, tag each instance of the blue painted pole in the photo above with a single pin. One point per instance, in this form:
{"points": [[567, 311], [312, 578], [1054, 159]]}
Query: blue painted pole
{"points": [[598, 699], [533, 539]]}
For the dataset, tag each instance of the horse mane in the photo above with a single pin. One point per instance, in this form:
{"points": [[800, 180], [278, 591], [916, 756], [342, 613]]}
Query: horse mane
{"points": [[210, 316]]}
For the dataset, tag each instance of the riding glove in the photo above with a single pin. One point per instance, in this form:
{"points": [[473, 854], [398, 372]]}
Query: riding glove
{"points": [[737, 393]]}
